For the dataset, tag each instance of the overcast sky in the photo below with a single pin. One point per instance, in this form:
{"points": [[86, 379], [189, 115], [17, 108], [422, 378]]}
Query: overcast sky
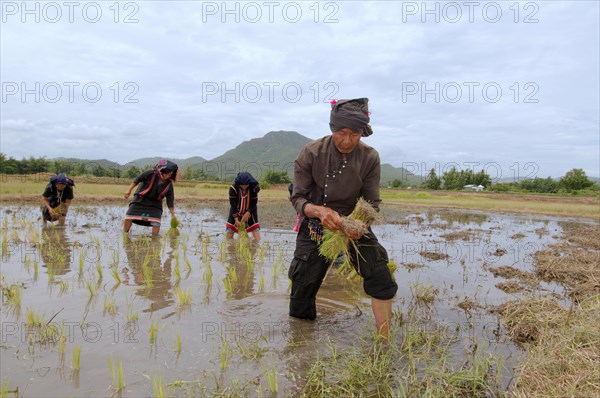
{"points": [[511, 87]]}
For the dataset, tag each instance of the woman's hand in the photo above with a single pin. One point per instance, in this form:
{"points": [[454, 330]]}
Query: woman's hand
{"points": [[355, 235], [128, 192], [245, 217], [329, 218]]}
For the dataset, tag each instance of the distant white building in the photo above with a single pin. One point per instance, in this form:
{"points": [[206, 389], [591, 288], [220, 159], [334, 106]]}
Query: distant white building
{"points": [[472, 187]]}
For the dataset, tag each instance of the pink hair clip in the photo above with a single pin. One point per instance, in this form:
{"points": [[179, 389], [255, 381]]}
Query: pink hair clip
{"points": [[333, 102]]}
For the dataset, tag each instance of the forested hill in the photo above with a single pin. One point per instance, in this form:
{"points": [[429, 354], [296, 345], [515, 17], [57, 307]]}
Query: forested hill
{"points": [[275, 151]]}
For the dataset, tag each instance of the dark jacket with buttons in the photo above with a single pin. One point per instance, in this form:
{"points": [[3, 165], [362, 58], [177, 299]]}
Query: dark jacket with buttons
{"points": [[322, 177]]}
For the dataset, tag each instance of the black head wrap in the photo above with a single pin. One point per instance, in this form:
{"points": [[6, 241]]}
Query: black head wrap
{"points": [[61, 179], [245, 178], [166, 166], [352, 114]]}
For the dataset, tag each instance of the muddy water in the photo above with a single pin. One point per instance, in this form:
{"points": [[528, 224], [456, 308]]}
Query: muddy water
{"points": [[236, 327]]}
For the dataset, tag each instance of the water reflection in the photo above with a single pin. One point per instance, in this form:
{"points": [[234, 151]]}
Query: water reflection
{"points": [[240, 266], [462, 218], [56, 250], [144, 260]]}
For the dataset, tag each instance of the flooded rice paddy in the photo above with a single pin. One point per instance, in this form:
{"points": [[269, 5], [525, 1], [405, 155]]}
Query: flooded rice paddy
{"points": [[89, 312]]}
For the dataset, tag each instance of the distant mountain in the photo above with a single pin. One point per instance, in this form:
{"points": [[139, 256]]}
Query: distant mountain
{"points": [[277, 150], [144, 162], [89, 163], [390, 173]]}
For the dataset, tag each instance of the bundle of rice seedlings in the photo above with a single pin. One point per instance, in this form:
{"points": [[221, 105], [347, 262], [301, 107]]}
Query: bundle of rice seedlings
{"points": [[173, 231], [60, 210], [242, 233], [335, 245], [365, 212]]}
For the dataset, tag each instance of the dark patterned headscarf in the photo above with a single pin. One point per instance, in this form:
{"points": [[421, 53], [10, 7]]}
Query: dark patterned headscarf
{"points": [[245, 178], [61, 179], [166, 166], [352, 114]]}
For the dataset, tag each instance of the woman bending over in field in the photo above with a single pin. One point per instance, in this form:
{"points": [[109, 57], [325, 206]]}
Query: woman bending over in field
{"points": [[154, 185], [243, 206], [57, 198]]}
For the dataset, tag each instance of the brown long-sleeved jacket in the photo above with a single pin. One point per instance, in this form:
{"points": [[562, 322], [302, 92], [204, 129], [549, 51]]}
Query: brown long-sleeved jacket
{"points": [[321, 177]]}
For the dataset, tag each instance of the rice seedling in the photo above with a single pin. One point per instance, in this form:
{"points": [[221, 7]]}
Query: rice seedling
{"points": [[227, 286], [205, 255], [116, 256], [153, 331], [187, 263], [177, 272], [159, 388], [116, 276], [99, 270], [224, 354], [250, 350], [5, 252], [223, 252], [132, 315], [232, 274], [111, 369], [174, 231], [261, 283], [92, 288], [271, 376], [248, 258], [15, 236], [81, 263], [178, 344], [64, 287], [51, 273], [117, 375], [76, 362], [5, 388], [147, 273], [33, 319], [110, 305], [62, 348], [27, 263], [183, 296], [208, 274], [13, 294], [163, 247], [35, 270], [34, 235], [275, 277], [261, 253], [184, 243]]}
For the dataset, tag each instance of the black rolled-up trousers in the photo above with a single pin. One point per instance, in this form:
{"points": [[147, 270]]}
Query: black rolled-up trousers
{"points": [[308, 269]]}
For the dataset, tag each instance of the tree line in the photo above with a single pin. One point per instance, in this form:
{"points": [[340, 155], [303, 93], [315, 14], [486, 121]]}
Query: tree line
{"points": [[454, 180], [10, 165]]}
